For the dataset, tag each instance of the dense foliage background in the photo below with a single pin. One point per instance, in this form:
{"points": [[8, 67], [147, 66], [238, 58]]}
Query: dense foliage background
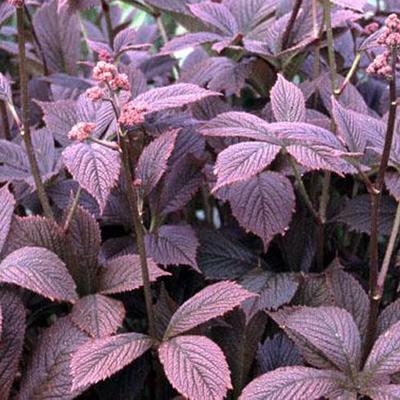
{"points": [[199, 199]]}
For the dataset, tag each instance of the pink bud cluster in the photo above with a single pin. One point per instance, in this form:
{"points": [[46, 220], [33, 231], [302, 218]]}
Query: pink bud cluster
{"points": [[104, 55], [108, 77], [370, 28], [16, 3], [390, 38], [81, 131], [132, 115]]}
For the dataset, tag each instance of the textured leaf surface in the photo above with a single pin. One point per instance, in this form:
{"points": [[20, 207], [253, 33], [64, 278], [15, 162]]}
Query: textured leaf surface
{"points": [[39, 270], [190, 40], [211, 302], [357, 214], [98, 359], [12, 338], [173, 96], [123, 274], [332, 331], [384, 358], [196, 367], [98, 315], [357, 5], [5, 88], [173, 245], [263, 205], [220, 257], [384, 392], [153, 161], [287, 100], [48, 374], [388, 317], [277, 352], [95, 167], [7, 204], [242, 161], [294, 383], [349, 295]]}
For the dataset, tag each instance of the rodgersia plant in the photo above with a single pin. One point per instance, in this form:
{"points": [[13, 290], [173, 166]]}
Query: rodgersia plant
{"points": [[199, 200]]}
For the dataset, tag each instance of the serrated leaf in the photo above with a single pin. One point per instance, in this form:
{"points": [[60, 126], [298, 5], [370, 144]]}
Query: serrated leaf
{"points": [[333, 332], [123, 274], [211, 302], [177, 95], [216, 15], [357, 214], [98, 359], [153, 161], [384, 358], [59, 37], [12, 338], [48, 374], [98, 315], [388, 317], [274, 290], [242, 161], [277, 352], [349, 295], [287, 100], [95, 167], [220, 257], [5, 89], [7, 204], [238, 124], [263, 205], [35, 231], [39, 270], [294, 383], [196, 367], [384, 392], [351, 125], [357, 5], [190, 40], [173, 245]]}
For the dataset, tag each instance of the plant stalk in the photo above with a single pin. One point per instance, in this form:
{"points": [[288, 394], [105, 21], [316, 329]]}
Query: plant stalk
{"points": [[25, 132], [289, 27], [107, 16], [4, 120]]}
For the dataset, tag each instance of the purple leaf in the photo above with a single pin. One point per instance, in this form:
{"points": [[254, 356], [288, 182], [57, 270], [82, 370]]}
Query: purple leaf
{"points": [[357, 214], [95, 167], [211, 302], [39, 270], [349, 295], [181, 183], [173, 96], [59, 37], [263, 205], [216, 15], [238, 124], [352, 126], [7, 204], [277, 352], [123, 274], [388, 317], [294, 383], [220, 257], [356, 5], [173, 245], [98, 315], [384, 392], [98, 359], [333, 332], [153, 161], [12, 338], [196, 367], [384, 358], [190, 40], [35, 231], [48, 374], [392, 183], [287, 100], [274, 290], [242, 161]]}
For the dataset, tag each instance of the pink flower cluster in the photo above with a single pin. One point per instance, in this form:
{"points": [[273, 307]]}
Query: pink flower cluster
{"points": [[390, 38], [132, 115], [104, 55], [81, 131], [107, 76], [16, 3], [371, 28]]}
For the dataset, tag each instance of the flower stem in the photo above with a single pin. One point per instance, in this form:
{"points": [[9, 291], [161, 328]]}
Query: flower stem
{"points": [[25, 132], [376, 283]]}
